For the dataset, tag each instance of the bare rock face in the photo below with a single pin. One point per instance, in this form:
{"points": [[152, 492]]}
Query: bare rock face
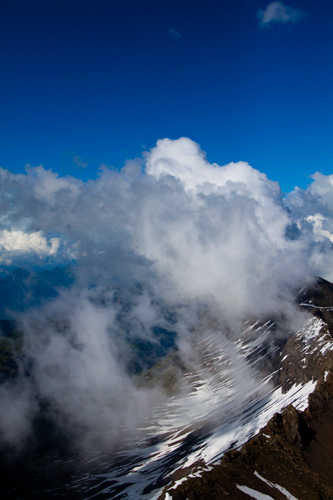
{"points": [[293, 454]]}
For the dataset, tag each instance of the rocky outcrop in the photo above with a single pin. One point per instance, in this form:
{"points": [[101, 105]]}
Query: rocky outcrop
{"points": [[292, 454]]}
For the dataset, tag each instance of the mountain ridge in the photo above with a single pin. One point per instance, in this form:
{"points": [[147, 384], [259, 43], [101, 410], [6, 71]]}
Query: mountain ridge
{"points": [[199, 441]]}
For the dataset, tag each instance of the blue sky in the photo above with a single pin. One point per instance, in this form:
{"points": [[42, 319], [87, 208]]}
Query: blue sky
{"points": [[90, 83]]}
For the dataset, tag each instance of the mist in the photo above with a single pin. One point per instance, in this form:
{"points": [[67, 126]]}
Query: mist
{"points": [[169, 241]]}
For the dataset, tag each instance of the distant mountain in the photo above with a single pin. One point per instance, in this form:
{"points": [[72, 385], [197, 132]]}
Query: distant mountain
{"points": [[22, 288]]}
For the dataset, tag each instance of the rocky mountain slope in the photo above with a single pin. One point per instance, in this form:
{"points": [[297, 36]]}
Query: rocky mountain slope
{"points": [[245, 418], [292, 455]]}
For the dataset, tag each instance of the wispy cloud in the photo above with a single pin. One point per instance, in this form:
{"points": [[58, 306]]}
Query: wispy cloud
{"points": [[79, 162], [278, 12], [174, 34]]}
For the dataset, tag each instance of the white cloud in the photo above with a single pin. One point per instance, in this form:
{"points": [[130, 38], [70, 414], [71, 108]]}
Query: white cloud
{"points": [[17, 241], [188, 227], [77, 368], [278, 12], [47, 185], [318, 221], [225, 237], [313, 210], [187, 233]]}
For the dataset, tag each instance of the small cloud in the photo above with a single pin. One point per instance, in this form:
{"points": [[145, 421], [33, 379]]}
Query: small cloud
{"points": [[318, 221], [16, 241], [174, 34], [77, 160], [278, 12]]}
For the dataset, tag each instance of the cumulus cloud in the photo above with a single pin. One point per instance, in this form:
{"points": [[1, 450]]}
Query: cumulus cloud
{"points": [[17, 241], [226, 240], [312, 209], [153, 246], [318, 221], [278, 12], [165, 226]]}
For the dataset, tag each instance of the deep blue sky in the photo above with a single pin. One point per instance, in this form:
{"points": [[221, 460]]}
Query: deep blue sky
{"points": [[103, 82]]}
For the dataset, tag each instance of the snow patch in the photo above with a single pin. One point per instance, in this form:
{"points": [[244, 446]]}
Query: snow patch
{"points": [[242, 427], [179, 482], [253, 493], [314, 337], [281, 489]]}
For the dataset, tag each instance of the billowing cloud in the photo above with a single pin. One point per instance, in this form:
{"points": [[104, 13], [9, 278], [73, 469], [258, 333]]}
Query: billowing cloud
{"points": [[278, 12], [229, 221], [164, 226], [313, 210], [318, 221], [154, 246]]}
